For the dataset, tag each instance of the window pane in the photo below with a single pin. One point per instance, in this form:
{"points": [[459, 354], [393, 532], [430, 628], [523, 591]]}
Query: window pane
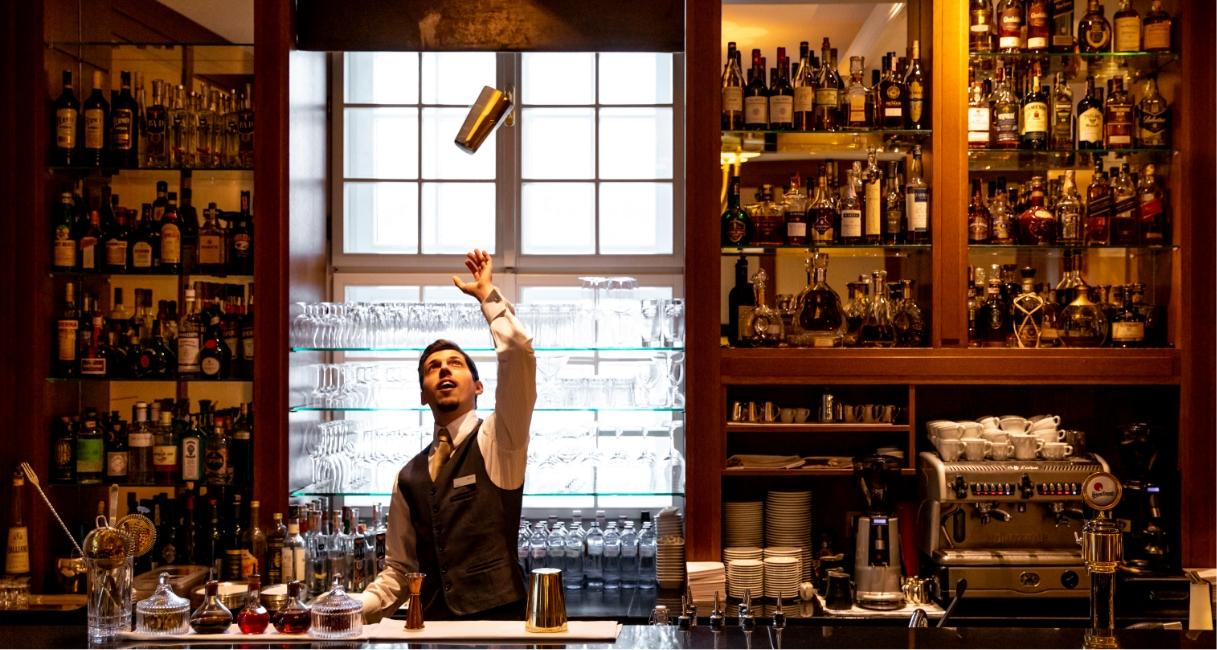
{"points": [[458, 217], [559, 143], [635, 143], [629, 78], [558, 218], [381, 293], [381, 77], [456, 77], [381, 218], [442, 158], [381, 143], [636, 218], [559, 78]]}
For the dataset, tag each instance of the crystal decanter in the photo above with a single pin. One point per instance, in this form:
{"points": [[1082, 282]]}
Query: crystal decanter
{"points": [[820, 314], [767, 329]]}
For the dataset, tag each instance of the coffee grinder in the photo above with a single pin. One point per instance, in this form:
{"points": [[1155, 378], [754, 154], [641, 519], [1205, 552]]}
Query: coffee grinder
{"points": [[1147, 547], [877, 568]]}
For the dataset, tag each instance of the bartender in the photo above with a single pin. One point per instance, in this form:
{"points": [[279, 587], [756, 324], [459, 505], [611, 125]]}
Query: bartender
{"points": [[455, 511]]}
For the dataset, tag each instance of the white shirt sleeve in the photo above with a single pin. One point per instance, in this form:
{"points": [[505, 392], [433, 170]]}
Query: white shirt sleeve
{"points": [[388, 591], [503, 438]]}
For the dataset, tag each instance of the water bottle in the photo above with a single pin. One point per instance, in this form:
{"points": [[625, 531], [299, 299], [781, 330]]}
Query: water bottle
{"points": [[646, 554], [539, 545], [557, 547], [629, 557], [593, 563], [522, 549], [612, 557], [572, 574]]}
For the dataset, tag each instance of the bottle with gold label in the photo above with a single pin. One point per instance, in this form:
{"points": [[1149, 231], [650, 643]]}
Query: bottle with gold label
{"points": [[1127, 33], [1153, 117], [1094, 32], [1157, 29], [17, 552], [916, 92], [980, 26]]}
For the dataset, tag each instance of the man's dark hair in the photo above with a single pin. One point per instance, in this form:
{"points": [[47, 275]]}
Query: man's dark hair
{"points": [[438, 346]]}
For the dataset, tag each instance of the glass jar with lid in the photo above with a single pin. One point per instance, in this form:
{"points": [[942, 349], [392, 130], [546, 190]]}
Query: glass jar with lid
{"points": [[164, 612], [336, 615]]}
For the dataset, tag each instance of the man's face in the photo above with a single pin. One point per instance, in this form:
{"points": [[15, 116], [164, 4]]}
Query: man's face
{"points": [[448, 385]]}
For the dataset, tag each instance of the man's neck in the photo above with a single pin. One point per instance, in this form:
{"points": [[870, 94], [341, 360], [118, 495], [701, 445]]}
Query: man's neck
{"points": [[443, 419]]}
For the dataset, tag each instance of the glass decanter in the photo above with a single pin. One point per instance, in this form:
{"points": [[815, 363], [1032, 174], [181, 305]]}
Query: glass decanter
{"points": [[295, 618], [212, 617], [253, 618], [855, 312], [1083, 324], [164, 612], [908, 318], [820, 312], [336, 615], [877, 329], [767, 329]]}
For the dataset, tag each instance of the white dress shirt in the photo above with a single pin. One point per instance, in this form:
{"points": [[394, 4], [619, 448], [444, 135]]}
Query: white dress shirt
{"points": [[502, 439]]}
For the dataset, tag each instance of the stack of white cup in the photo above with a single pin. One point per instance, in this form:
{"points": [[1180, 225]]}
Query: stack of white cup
{"points": [[1000, 438]]}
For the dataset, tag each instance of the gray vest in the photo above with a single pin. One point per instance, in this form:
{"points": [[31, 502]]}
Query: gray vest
{"points": [[466, 535]]}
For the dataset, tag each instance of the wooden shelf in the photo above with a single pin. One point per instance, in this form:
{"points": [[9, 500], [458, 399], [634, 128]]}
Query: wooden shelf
{"points": [[817, 427], [950, 365], [802, 472]]}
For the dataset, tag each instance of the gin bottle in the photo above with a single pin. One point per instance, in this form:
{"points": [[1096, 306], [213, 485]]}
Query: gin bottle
{"points": [[820, 313], [1028, 312]]}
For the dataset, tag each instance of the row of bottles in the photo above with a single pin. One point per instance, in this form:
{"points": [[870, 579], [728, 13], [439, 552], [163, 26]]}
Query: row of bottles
{"points": [[97, 234], [1121, 208], [1003, 114], [213, 338], [605, 555], [1007, 308], [176, 129], [878, 313], [812, 95], [1047, 25], [162, 444], [869, 208], [323, 546]]}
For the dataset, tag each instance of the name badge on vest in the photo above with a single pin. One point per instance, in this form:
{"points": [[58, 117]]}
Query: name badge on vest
{"points": [[464, 480]]}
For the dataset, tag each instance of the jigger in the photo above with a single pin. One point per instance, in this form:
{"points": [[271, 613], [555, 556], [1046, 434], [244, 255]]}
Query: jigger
{"points": [[414, 615], [546, 602]]}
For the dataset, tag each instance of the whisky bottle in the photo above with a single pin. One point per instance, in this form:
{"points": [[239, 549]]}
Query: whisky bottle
{"points": [[736, 226], [917, 202], [1128, 324], [850, 209], [1124, 220], [188, 224], [908, 318], [241, 240], [1035, 117], [855, 311], [17, 548], [1001, 229], [781, 95], [170, 237], [894, 226], [144, 243], [1153, 117], [769, 221], [892, 98], [1157, 29], [857, 107], [1068, 208], [1039, 25], [766, 328], [1061, 138], [63, 242], [96, 118], [165, 466], [1005, 112], [67, 331], [1151, 208], [215, 356], [1028, 312], [740, 303], [804, 91], [822, 216], [795, 213], [1010, 25], [872, 183], [916, 91], [67, 124], [116, 449], [756, 96], [139, 447], [979, 219], [1098, 208], [980, 26], [877, 329], [992, 326], [1126, 35], [979, 121], [1083, 324], [1094, 32], [1062, 27], [828, 92], [1118, 116], [820, 313], [1037, 225], [1090, 119], [245, 129], [124, 127]]}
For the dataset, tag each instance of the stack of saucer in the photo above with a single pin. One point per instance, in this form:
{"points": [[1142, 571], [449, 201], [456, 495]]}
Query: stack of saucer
{"points": [[744, 523], [782, 576], [670, 549], [788, 524], [745, 575], [705, 580]]}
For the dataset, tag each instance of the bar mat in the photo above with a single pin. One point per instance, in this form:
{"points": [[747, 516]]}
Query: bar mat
{"points": [[501, 631], [233, 635]]}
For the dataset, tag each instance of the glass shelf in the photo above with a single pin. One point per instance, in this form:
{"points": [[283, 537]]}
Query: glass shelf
{"points": [[994, 248], [1007, 160], [427, 409], [786, 146], [841, 250], [148, 380], [314, 491], [539, 350], [106, 170], [120, 274], [1078, 64]]}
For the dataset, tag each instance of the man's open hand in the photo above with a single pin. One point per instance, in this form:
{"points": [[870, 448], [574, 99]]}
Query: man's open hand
{"points": [[482, 268]]}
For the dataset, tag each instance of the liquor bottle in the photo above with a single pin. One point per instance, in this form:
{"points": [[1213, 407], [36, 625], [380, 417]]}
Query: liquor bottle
{"points": [[124, 127], [1039, 25], [1035, 117], [17, 548], [872, 184], [139, 444], [115, 240], [116, 449], [1083, 324], [781, 95], [1151, 208], [908, 318], [894, 226], [804, 91], [245, 129], [88, 242], [155, 360], [96, 119], [213, 248], [216, 458], [1001, 228], [192, 453], [1028, 312], [979, 219], [165, 465], [63, 451], [294, 554], [877, 329], [917, 202], [740, 303], [1124, 217], [67, 327], [63, 242], [188, 226], [794, 206], [245, 356], [240, 449], [215, 540], [916, 92], [234, 550], [855, 311], [156, 125], [171, 237], [732, 93], [1153, 117], [66, 112], [821, 215], [1090, 119], [980, 26], [850, 209], [241, 240], [1010, 25], [820, 313], [1094, 32], [275, 542], [858, 106], [205, 116], [1126, 36], [979, 120], [1062, 27], [1005, 113], [893, 95], [1157, 29], [181, 145], [1118, 117], [189, 339], [1068, 208], [992, 322], [766, 330], [143, 242], [828, 92], [756, 96], [90, 449], [253, 543], [1037, 225], [1061, 138], [1099, 207]]}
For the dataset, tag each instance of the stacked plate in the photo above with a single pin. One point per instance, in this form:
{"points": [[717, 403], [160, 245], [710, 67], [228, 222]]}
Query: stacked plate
{"points": [[745, 575], [744, 523], [705, 580], [669, 522], [670, 549], [782, 576], [788, 524]]}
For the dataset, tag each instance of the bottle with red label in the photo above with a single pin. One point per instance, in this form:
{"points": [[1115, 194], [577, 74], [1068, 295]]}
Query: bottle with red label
{"points": [[1151, 208], [215, 357], [1010, 25]]}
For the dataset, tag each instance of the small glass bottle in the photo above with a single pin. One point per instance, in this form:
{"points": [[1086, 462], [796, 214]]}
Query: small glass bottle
{"points": [[212, 617], [295, 617], [767, 328], [253, 618], [820, 313], [336, 615], [877, 329], [164, 612]]}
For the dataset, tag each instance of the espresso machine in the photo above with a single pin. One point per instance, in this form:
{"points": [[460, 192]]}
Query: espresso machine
{"points": [[877, 568], [1009, 527]]}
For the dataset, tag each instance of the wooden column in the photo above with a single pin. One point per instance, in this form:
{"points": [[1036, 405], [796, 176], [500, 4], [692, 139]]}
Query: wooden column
{"points": [[949, 175]]}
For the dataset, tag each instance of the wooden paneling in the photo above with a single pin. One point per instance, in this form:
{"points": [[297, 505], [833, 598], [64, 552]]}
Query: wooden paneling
{"points": [[949, 177]]}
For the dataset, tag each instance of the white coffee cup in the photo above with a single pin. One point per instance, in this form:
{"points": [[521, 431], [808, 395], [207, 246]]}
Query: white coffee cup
{"points": [[801, 414], [1047, 435], [1037, 419], [1025, 446], [1001, 450], [944, 429], [950, 449], [989, 421], [1056, 450], [970, 429], [1013, 424], [786, 415], [996, 436], [975, 448]]}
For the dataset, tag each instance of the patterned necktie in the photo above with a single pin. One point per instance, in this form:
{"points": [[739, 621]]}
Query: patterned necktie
{"points": [[443, 449]]}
